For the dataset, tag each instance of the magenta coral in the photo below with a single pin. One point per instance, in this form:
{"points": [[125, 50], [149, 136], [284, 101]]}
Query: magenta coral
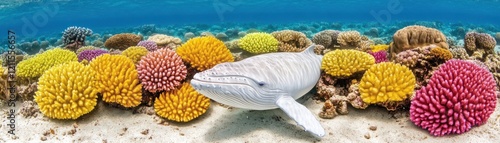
{"points": [[459, 95], [161, 70], [380, 56], [150, 45], [90, 54]]}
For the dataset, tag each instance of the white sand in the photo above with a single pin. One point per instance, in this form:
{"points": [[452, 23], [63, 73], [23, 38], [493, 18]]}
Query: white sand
{"points": [[220, 124]]}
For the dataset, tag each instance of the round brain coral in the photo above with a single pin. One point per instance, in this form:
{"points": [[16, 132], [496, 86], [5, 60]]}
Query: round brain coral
{"points": [[182, 105], [117, 80], [122, 41], [150, 45], [204, 52], [344, 63], [89, 55], [386, 82], [66, 91], [135, 53], [459, 95], [35, 66], [161, 70], [415, 36], [258, 43]]}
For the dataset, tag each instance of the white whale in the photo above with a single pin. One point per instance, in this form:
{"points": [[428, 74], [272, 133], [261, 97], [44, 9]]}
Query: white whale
{"points": [[266, 81]]}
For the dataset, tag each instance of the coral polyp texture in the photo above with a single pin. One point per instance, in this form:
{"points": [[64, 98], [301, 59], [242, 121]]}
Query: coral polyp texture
{"points": [[479, 45], [164, 41], [122, 41], [376, 48], [161, 70], [350, 39], [181, 105], [441, 53], [415, 36], [89, 55], [74, 37], [204, 52], [150, 45], [35, 66], [380, 56], [386, 82], [135, 53], [327, 38], [117, 80], [258, 43], [291, 41], [66, 91], [459, 95], [344, 63], [85, 48]]}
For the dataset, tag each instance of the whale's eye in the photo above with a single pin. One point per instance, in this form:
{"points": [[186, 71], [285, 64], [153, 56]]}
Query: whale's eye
{"points": [[261, 83]]}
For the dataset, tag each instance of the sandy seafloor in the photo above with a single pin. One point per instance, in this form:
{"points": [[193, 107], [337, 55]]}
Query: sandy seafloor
{"points": [[221, 124]]}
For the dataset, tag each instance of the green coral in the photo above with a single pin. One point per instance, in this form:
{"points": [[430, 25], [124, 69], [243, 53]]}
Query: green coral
{"points": [[34, 67], [258, 43]]}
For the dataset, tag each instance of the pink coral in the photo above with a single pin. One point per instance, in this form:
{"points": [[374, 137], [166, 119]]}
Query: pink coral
{"points": [[460, 95], [150, 45], [380, 56], [161, 70]]}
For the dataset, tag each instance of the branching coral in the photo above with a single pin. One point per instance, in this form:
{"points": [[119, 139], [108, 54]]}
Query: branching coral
{"points": [[460, 95], [122, 41], [135, 53], [415, 36], [161, 70], [479, 45], [66, 91], [344, 63], [117, 80], [74, 37], [204, 52], [35, 66], [258, 43], [182, 105], [150, 45], [165, 41], [327, 38], [387, 83], [291, 41]]}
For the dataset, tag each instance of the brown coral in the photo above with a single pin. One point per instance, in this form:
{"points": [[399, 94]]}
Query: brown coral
{"points": [[459, 53], [122, 41], [291, 41], [441, 53], [479, 45], [493, 63], [415, 36], [327, 38], [349, 39]]}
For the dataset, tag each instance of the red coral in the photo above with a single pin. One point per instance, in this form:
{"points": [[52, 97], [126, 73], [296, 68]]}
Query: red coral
{"points": [[458, 96], [161, 70]]}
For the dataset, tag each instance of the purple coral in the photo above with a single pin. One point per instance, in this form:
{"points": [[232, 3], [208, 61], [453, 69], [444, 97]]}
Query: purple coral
{"points": [[150, 45], [380, 56], [90, 54]]}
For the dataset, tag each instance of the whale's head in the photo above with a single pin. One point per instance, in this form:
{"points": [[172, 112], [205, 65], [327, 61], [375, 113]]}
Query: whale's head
{"points": [[236, 84]]}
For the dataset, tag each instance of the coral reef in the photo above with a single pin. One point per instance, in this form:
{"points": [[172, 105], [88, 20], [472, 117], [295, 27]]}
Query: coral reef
{"points": [[441, 53], [135, 53], [380, 56], [351, 40], [379, 47], [165, 41], [122, 41], [66, 91], [449, 104], [415, 36], [34, 67], [493, 63], [74, 37], [161, 70], [497, 36], [204, 52], [89, 55], [338, 93], [387, 84], [182, 105], [327, 38], [344, 63], [479, 45], [459, 53], [117, 80], [291, 41], [84, 48], [258, 43], [150, 45]]}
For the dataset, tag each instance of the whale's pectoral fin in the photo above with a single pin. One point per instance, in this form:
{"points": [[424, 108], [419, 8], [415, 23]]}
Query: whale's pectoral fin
{"points": [[301, 115]]}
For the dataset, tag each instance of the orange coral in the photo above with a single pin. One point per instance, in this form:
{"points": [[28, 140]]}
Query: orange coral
{"points": [[204, 52], [441, 53], [122, 41]]}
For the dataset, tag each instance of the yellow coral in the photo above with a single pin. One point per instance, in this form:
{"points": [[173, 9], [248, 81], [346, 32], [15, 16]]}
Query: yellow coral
{"points": [[84, 48], [346, 62], [135, 53], [204, 52], [258, 43], [386, 82], [117, 80], [35, 66], [441, 53], [376, 48], [66, 91], [181, 105]]}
